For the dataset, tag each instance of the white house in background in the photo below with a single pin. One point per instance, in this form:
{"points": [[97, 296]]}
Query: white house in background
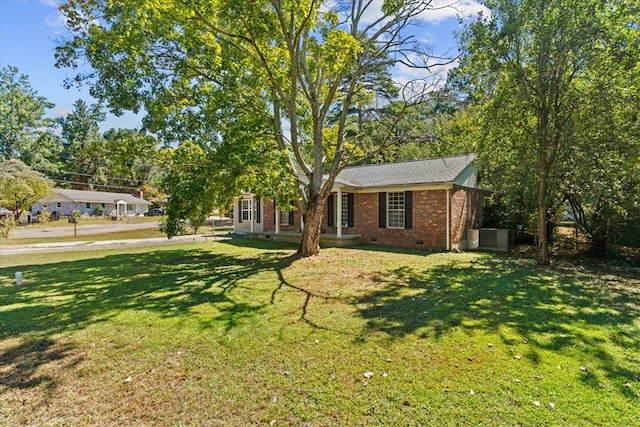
{"points": [[63, 202]]}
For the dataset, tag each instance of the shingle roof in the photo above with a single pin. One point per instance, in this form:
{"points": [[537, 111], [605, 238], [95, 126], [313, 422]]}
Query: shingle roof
{"points": [[428, 171], [97, 196]]}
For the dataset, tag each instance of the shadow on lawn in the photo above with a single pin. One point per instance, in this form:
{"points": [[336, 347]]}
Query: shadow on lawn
{"points": [[67, 296], [553, 308]]}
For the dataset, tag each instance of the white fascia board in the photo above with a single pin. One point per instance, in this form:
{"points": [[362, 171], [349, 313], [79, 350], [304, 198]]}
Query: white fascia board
{"points": [[404, 187]]}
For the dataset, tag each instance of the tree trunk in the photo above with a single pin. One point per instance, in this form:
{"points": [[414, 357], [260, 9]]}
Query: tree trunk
{"points": [[310, 242], [543, 176]]}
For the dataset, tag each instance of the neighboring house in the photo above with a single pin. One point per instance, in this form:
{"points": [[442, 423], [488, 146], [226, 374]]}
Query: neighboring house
{"points": [[426, 204], [63, 202]]}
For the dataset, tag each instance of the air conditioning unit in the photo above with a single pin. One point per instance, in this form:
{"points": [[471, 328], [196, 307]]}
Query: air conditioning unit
{"points": [[491, 239]]}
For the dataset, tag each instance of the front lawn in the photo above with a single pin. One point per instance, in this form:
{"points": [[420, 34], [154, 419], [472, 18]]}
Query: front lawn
{"points": [[242, 333]]}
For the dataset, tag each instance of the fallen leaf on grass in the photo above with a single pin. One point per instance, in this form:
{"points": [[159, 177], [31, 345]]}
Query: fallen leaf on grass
{"points": [[471, 392], [584, 369], [368, 374], [517, 356], [552, 405], [536, 403]]}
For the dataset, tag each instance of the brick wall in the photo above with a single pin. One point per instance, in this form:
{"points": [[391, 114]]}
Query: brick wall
{"points": [[429, 219], [268, 218], [466, 212]]}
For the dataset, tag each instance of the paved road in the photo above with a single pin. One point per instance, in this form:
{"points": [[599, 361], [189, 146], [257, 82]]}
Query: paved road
{"points": [[67, 230], [77, 245], [103, 244]]}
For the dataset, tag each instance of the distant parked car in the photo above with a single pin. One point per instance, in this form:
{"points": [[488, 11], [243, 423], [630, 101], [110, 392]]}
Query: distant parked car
{"points": [[155, 212]]}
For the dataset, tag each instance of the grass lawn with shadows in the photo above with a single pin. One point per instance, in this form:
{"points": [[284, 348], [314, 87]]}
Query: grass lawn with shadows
{"points": [[242, 332]]}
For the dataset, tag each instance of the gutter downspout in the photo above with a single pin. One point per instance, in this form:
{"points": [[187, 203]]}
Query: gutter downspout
{"points": [[448, 238]]}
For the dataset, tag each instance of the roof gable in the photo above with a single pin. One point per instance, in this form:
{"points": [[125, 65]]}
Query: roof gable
{"points": [[415, 172], [95, 196]]}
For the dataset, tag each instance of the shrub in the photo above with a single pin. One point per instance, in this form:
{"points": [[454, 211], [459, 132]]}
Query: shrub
{"points": [[7, 224]]}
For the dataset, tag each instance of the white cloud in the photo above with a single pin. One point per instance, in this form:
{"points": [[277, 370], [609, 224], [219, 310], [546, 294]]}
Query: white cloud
{"points": [[63, 112], [52, 3], [439, 10], [436, 11]]}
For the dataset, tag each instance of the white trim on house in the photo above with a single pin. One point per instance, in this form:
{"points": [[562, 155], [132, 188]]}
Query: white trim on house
{"points": [[64, 202]]}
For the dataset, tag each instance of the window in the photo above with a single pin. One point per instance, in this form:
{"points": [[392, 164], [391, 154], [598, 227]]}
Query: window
{"points": [[345, 210], [58, 204], [88, 206], [246, 210], [395, 209], [284, 218]]}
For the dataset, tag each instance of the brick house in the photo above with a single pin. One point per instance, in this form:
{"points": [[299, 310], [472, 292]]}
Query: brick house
{"points": [[427, 204]]}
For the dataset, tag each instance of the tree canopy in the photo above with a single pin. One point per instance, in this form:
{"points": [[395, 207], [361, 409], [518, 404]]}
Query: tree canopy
{"points": [[21, 186], [535, 67], [269, 87], [25, 131]]}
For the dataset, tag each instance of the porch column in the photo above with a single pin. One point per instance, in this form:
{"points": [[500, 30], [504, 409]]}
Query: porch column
{"points": [[277, 220], [448, 220], [251, 207], [339, 214]]}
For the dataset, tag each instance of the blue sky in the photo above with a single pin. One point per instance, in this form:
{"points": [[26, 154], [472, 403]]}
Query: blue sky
{"points": [[29, 30]]}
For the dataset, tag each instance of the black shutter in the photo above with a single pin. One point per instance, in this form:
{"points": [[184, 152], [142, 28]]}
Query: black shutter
{"points": [[408, 209], [330, 210], [290, 217], [258, 210], [350, 209], [275, 209], [240, 210], [382, 210]]}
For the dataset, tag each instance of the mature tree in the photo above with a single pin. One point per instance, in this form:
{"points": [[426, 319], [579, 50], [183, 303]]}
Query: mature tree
{"points": [[83, 161], [294, 70], [21, 186], [25, 132], [530, 61], [130, 159]]}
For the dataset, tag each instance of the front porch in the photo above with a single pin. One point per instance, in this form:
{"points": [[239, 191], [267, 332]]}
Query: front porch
{"points": [[326, 239]]}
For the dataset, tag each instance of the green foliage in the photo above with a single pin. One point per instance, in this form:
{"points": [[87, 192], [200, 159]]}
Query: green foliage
{"points": [[44, 216], [20, 186], [25, 132], [535, 68], [191, 188], [75, 217], [256, 84], [99, 211], [81, 142], [7, 225]]}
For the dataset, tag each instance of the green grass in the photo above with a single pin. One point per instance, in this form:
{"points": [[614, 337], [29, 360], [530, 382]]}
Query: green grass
{"points": [[243, 333]]}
